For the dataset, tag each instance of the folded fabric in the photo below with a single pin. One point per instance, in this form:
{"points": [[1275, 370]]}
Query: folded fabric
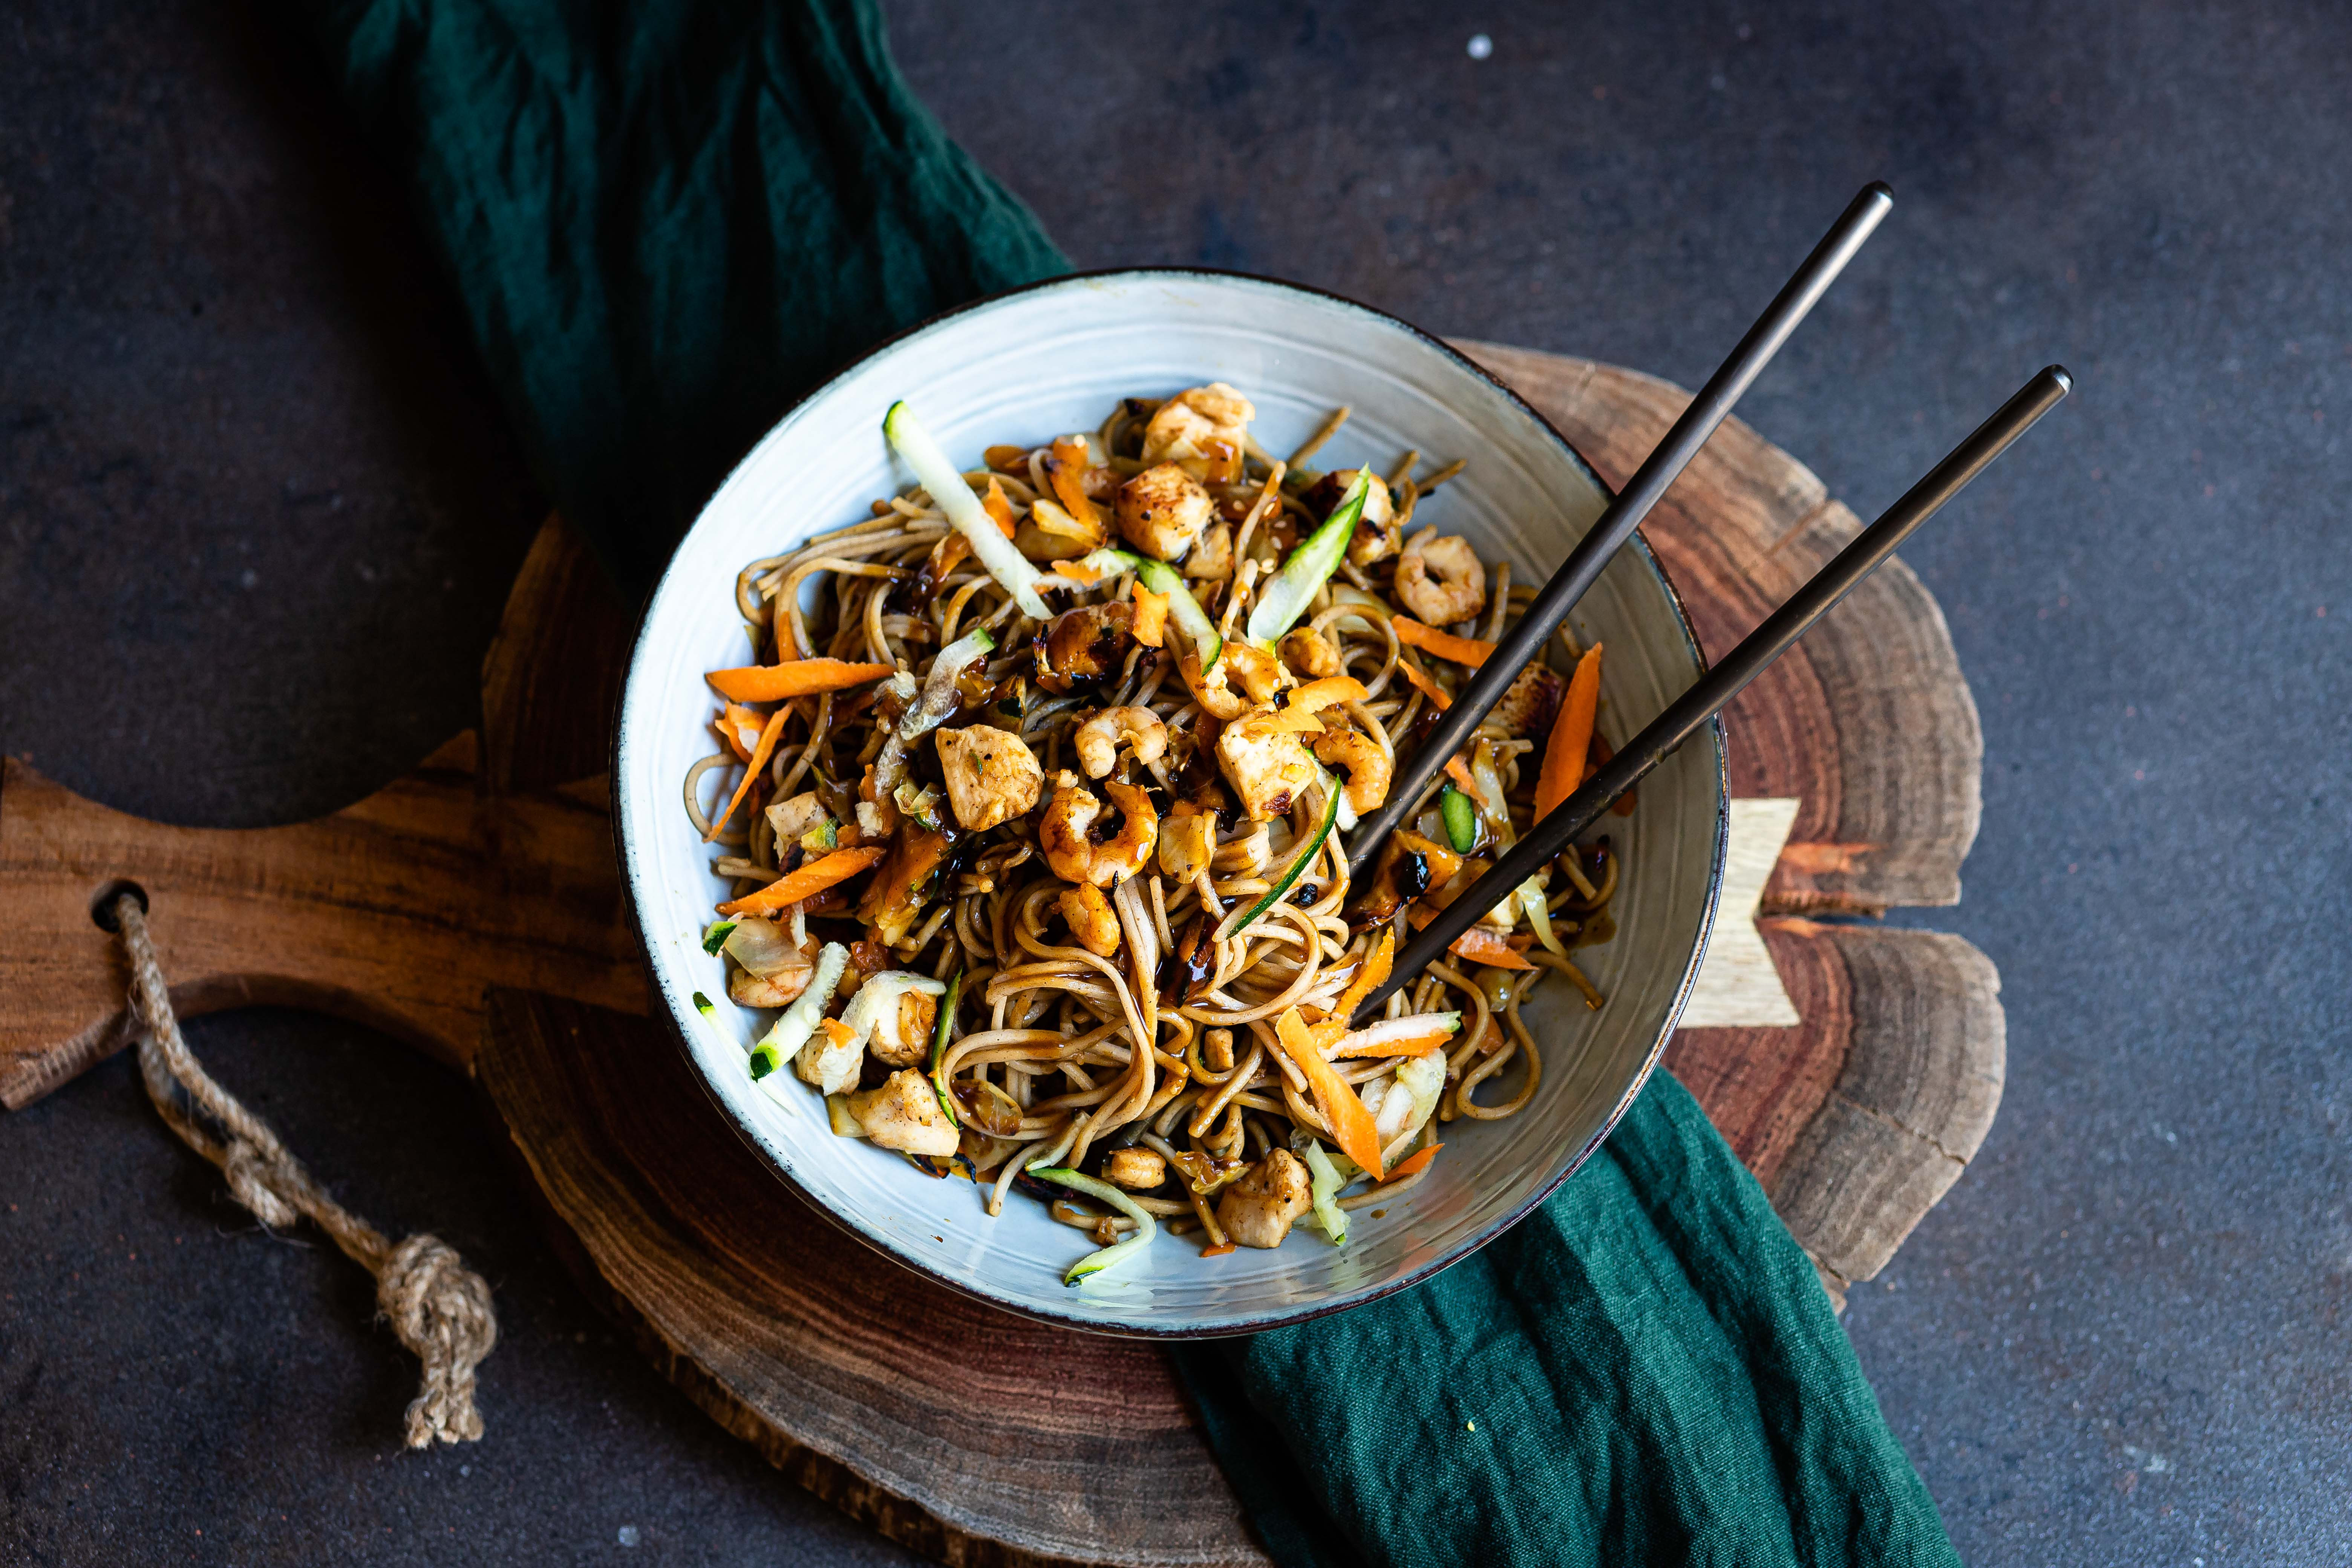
{"points": [[667, 223]]}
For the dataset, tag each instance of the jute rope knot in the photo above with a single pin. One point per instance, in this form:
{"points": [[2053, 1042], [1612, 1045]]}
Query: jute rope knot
{"points": [[439, 1308]]}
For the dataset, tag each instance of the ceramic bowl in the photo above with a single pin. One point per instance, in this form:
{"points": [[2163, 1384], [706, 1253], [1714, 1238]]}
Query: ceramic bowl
{"points": [[1037, 363]]}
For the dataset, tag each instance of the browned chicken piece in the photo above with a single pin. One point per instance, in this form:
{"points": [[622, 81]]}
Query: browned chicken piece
{"points": [[1267, 766], [1162, 510], [1137, 1170], [1211, 560], [1086, 644], [905, 1114], [1528, 707], [992, 775], [1257, 1210]]}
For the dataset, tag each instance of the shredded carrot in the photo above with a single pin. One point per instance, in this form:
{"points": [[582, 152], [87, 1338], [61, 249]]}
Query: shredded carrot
{"points": [[1403, 1045], [1296, 722], [836, 1033], [1460, 775], [997, 506], [1471, 651], [1078, 572], [1415, 1163], [1479, 944], [1377, 966], [1425, 686], [801, 677], [1150, 626], [1572, 736], [1217, 1251], [805, 883], [753, 769], [1351, 1123], [1066, 471], [1320, 694]]}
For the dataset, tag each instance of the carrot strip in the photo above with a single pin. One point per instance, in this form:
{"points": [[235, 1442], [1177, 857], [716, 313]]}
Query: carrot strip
{"points": [[1316, 695], [1377, 966], [1078, 572], [1563, 763], [997, 506], [1426, 687], [1478, 944], [1065, 470], [801, 677], [805, 883], [1351, 1123], [739, 727], [753, 769], [1415, 1163], [1471, 651], [1217, 1251], [1460, 775], [1403, 1045], [1151, 626]]}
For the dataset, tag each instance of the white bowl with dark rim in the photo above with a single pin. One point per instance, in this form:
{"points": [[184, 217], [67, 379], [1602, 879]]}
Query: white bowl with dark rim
{"points": [[1037, 363]]}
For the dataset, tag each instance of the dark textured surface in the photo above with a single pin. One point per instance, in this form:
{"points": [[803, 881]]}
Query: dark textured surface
{"points": [[2119, 1340]]}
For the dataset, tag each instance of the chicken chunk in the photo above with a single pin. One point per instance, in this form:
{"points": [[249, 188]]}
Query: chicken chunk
{"points": [[1211, 560], [1204, 431], [905, 1114], [1268, 767], [1162, 510], [793, 820], [832, 1058], [992, 775], [1257, 1210], [1137, 1170], [1530, 704]]}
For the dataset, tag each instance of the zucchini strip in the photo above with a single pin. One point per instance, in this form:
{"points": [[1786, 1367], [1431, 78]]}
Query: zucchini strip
{"points": [[1094, 1263], [947, 487]]}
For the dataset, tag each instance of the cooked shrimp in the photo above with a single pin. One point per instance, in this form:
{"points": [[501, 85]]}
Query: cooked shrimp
{"points": [[1369, 767], [1067, 833], [1259, 671], [1308, 652], [1092, 920], [1205, 431], [1098, 737], [1440, 581]]}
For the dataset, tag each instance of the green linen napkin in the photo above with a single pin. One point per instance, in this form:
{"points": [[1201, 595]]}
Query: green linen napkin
{"points": [[668, 222]]}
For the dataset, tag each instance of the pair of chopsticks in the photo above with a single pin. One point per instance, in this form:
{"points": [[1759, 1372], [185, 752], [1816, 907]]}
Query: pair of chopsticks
{"points": [[1524, 644]]}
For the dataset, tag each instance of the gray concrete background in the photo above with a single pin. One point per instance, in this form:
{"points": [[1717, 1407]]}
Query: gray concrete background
{"points": [[260, 515]]}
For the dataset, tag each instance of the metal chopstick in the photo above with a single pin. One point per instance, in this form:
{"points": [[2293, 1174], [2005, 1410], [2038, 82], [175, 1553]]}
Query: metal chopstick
{"points": [[1682, 719], [1524, 643]]}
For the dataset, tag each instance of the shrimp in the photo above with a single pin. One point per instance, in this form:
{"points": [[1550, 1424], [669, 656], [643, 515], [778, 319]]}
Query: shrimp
{"points": [[1098, 737], [1260, 673], [1308, 652], [1067, 834], [1091, 919], [1369, 767], [1457, 591]]}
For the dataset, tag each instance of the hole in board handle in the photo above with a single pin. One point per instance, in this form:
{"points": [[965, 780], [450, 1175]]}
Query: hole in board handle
{"points": [[101, 907]]}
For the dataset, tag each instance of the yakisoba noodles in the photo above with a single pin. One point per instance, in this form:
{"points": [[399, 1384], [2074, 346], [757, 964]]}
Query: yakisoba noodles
{"points": [[1037, 824]]}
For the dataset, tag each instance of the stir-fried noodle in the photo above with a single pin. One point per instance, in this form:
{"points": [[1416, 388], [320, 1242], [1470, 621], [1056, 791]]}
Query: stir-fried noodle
{"points": [[1113, 843]]}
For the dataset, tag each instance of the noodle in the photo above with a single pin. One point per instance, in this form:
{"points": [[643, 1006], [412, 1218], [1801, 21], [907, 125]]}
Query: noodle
{"points": [[1124, 1000]]}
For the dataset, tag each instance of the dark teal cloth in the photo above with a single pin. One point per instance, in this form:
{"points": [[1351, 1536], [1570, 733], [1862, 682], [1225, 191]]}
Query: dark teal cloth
{"points": [[669, 221]]}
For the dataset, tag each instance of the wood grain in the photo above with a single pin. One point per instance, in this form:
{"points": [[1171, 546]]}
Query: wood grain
{"points": [[932, 1417], [496, 870]]}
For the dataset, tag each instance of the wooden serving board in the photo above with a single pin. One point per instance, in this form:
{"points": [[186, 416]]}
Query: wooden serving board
{"points": [[905, 1404]]}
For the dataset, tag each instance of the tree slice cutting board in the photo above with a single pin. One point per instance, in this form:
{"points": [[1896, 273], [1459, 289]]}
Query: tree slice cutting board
{"points": [[908, 1406]]}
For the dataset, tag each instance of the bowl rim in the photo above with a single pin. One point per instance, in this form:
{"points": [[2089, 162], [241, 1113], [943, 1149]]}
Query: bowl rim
{"points": [[1258, 1323]]}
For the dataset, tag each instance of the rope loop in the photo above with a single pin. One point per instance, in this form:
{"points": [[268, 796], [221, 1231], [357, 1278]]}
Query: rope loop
{"points": [[439, 1308]]}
